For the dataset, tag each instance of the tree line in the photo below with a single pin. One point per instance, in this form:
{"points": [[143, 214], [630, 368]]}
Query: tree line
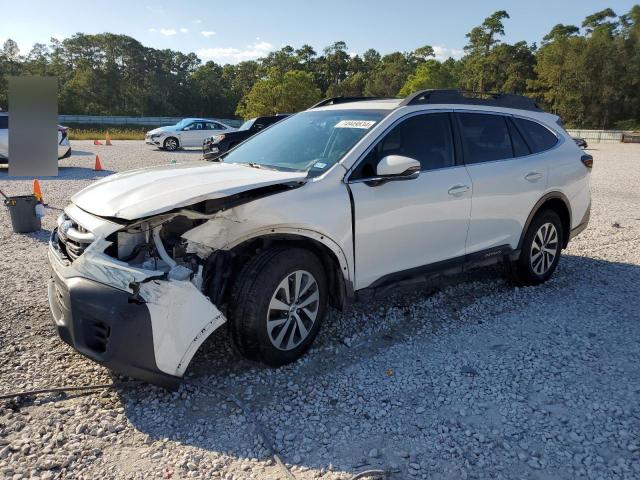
{"points": [[589, 75]]}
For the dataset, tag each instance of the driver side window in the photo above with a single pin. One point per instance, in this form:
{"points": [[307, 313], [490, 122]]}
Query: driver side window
{"points": [[426, 138]]}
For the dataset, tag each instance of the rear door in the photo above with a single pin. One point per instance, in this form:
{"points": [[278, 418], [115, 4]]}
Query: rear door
{"points": [[507, 178], [403, 225]]}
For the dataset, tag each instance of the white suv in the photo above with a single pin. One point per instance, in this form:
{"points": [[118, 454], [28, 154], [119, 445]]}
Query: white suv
{"points": [[331, 204]]}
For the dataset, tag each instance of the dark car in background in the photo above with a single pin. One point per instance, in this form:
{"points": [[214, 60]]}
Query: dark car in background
{"points": [[216, 145]]}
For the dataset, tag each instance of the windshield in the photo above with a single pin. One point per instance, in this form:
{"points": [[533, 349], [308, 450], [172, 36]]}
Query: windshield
{"points": [[310, 141], [247, 125]]}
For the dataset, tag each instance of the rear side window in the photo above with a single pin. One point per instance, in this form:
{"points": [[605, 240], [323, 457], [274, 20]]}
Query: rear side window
{"points": [[485, 137], [4, 121], [520, 148], [538, 137]]}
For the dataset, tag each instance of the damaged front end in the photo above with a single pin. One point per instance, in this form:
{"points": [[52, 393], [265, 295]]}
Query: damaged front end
{"points": [[130, 295]]}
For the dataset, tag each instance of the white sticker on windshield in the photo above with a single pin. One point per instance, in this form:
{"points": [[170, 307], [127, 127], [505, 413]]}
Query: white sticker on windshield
{"points": [[319, 165], [365, 124]]}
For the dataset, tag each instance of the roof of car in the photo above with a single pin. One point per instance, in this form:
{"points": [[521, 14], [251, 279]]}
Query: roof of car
{"points": [[374, 104], [447, 97]]}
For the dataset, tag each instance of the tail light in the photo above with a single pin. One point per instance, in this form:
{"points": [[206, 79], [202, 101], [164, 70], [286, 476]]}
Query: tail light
{"points": [[587, 160]]}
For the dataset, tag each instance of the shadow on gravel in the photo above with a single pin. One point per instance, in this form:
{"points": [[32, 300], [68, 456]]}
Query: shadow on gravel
{"points": [[202, 413], [41, 236]]}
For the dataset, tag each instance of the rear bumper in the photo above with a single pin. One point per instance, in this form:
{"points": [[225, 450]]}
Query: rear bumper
{"points": [[582, 226]]}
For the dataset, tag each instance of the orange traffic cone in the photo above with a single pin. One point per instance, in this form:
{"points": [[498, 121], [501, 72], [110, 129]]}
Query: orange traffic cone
{"points": [[98, 166], [36, 190], [97, 142], [107, 139]]}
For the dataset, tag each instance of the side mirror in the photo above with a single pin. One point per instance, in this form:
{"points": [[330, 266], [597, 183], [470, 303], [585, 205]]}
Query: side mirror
{"points": [[397, 167]]}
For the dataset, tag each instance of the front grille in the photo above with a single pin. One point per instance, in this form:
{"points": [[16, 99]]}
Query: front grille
{"points": [[73, 239]]}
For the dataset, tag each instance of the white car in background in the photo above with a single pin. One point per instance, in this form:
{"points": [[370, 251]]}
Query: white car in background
{"points": [[189, 132], [64, 147]]}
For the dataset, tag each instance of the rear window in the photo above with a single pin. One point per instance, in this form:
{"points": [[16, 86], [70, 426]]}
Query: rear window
{"points": [[485, 137], [538, 137], [4, 121]]}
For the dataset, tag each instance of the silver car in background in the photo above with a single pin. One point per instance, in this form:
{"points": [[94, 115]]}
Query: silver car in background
{"points": [[64, 147], [189, 132]]}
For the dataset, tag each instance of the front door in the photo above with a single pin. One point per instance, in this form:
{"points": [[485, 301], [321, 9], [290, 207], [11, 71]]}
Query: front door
{"points": [[192, 135], [402, 225]]}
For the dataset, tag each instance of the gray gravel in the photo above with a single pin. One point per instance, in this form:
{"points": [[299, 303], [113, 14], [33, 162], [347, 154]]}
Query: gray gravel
{"points": [[467, 378]]}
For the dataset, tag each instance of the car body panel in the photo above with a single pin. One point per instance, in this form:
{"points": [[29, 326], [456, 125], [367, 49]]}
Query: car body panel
{"points": [[431, 223], [150, 191]]}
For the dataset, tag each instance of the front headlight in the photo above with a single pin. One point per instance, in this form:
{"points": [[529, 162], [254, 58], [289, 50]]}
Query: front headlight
{"points": [[156, 135], [217, 138]]}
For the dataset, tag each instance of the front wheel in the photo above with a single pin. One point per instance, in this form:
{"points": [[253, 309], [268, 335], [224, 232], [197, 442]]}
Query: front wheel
{"points": [[170, 144], [279, 300], [541, 249]]}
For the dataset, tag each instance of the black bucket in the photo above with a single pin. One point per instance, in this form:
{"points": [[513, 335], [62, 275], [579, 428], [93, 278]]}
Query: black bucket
{"points": [[23, 213]]}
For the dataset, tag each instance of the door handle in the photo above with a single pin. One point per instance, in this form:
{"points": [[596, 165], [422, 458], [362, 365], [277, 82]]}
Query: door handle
{"points": [[459, 189], [533, 176]]}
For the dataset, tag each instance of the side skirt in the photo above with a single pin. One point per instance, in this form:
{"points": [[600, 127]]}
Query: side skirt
{"points": [[454, 266]]}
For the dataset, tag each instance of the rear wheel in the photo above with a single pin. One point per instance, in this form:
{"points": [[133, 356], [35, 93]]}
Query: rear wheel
{"points": [[279, 300], [541, 250], [170, 144]]}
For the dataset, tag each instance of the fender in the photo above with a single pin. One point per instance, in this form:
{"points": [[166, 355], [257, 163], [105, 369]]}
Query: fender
{"points": [[546, 197], [322, 238]]}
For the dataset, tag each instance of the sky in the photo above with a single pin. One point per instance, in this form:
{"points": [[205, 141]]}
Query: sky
{"points": [[229, 32]]}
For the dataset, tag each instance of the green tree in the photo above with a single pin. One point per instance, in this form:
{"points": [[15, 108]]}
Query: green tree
{"points": [[431, 74], [278, 93]]}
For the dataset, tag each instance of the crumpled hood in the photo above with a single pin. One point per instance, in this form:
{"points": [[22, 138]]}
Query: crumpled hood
{"points": [[149, 191]]}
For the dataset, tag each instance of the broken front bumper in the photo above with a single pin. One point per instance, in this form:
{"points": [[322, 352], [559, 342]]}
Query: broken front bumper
{"points": [[130, 320], [106, 325]]}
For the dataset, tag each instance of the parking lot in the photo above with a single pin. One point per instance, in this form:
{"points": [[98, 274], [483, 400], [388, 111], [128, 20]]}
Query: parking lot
{"points": [[468, 377]]}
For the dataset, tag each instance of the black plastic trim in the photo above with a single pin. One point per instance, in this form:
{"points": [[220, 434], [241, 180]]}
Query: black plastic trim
{"points": [[536, 208], [452, 266], [583, 224], [463, 97], [107, 325], [339, 100]]}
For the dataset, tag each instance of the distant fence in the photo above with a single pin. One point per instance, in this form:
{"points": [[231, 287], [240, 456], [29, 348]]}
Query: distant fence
{"points": [[599, 136], [118, 120]]}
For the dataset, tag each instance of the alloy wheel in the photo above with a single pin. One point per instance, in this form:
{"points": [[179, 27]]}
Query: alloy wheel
{"points": [[544, 248], [170, 144], [293, 310]]}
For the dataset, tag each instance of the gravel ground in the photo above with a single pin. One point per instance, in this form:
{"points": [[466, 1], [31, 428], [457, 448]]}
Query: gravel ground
{"points": [[465, 378]]}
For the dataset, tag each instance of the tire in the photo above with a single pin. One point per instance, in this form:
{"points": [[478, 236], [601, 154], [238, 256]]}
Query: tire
{"points": [[534, 267], [262, 325], [170, 144]]}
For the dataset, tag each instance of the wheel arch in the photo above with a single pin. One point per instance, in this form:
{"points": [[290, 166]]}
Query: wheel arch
{"points": [[559, 203], [328, 252], [171, 136]]}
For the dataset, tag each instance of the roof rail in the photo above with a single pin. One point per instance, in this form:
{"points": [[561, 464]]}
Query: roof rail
{"points": [[494, 99], [338, 100]]}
